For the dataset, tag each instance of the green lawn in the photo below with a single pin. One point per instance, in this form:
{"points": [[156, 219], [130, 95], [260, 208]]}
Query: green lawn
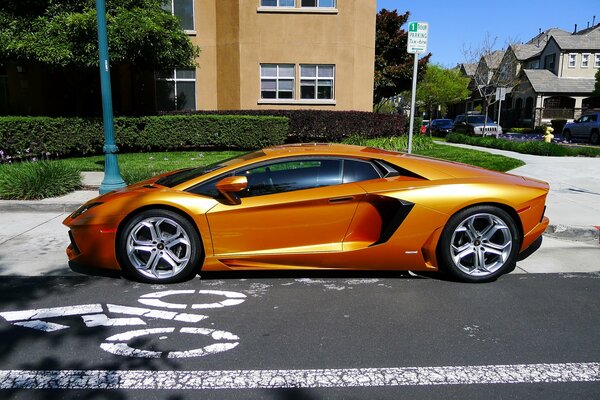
{"points": [[473, 157]]}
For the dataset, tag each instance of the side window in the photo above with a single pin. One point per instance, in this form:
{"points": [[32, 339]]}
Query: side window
{"points": [[356, 171], [293, 175]]}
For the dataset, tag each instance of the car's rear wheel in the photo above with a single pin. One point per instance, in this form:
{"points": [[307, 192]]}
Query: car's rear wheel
{"points": [[595, 137], [479, 244], [567, 135], [159, 246]]}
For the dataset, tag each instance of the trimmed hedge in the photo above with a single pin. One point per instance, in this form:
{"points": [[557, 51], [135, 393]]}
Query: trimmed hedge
{"points": [[326, 126], [530, 147], [26, 137]]}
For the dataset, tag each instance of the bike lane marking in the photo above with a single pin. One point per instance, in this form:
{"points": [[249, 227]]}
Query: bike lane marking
{"points": [[302, 378]]}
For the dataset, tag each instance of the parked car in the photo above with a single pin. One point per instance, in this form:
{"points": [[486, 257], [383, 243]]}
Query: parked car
{"points": [[473, 124], [313, 206], [440, 127], [586, 127]]}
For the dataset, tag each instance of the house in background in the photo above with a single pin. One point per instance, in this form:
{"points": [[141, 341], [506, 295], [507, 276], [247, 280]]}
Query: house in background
{"points": [[255, 54], [554, 74]]}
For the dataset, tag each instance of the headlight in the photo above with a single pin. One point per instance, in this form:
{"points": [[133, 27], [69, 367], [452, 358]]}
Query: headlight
{"points": [[83, 209]]}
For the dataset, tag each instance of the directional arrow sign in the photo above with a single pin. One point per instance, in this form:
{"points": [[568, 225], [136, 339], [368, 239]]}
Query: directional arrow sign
{"points": [[417, 37]]}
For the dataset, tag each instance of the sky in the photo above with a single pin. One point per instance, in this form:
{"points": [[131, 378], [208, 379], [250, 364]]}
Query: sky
{"points": [[455, 24]]}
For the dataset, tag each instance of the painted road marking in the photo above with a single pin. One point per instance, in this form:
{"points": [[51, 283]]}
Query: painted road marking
{"points": [[307, 378], [117, 344], [154, 299]]}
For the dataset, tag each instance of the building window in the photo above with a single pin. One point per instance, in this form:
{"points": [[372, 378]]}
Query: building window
{"points": [[597, 60], [277, 81], [183, 10], [549, 62], [278, 3], [585, 60], [176, 90], [572, 60], [318, 3], [316, 82]]}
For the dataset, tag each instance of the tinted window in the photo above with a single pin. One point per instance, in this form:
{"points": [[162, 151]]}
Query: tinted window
{"points": [[356, 171], [293, 175], [478, 119], [186, 174]]}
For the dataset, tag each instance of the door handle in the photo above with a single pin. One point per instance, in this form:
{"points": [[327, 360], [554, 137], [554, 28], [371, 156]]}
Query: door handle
{"points": [[338, 200]]}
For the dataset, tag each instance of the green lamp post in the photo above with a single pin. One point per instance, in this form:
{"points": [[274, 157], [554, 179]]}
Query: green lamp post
{"points": [[112, 176]]}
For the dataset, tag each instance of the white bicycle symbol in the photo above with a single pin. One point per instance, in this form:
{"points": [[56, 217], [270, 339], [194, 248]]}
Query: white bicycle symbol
{"points": [[95, 315]]}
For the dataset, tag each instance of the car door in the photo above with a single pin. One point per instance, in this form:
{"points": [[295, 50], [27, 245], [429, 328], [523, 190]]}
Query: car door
{"points": [[295, 205], [580, 127]]}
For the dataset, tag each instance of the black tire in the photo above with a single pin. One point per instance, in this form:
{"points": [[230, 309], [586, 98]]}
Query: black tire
{"points": [[457, 235], [171, 250], [567, 135], [595, 137]]}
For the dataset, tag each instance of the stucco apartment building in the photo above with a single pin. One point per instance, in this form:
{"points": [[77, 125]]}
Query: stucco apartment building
{"points": [[255, 54]]}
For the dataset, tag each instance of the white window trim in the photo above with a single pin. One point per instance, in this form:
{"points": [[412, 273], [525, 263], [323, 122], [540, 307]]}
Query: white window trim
{"points": [[277, 78], [297, 8], [597, 60], [191, 32], [174, 79], [317, 79], [569, 60], [588, 60]]}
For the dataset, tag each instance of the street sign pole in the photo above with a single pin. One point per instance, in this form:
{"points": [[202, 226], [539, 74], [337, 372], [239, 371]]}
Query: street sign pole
{"points": [[416, 44], [412, 104], [112, 176]]}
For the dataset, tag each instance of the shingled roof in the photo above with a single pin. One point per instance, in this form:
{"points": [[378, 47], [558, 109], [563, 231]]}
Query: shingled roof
{"points": [[526, 51], [544, 81], [590, 41], [493, 59], [541, 38]]}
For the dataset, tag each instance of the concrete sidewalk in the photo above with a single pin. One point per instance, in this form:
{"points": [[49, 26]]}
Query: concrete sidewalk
{"points": [[573, 203]]}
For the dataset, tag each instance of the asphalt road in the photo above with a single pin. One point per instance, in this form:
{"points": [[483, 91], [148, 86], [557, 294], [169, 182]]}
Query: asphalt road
{"points": [[300, 336]]}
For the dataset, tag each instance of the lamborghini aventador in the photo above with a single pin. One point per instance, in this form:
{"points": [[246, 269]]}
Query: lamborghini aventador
{"points": [[312, 206]]}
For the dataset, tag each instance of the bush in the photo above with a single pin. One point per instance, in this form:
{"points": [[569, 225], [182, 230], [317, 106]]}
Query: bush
{"points": [[532, 147], [326, 126], [395, 143], [22, 137], [38, 180]]}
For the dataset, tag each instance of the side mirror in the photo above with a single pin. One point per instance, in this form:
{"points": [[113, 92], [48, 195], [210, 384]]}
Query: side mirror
{"points": [[229, 186]]}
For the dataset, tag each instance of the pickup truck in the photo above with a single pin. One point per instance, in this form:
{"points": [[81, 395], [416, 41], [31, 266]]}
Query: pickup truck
{"points": [[586, 127]]}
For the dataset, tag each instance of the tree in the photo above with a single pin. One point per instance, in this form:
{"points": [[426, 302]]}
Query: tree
{"points": [[63, 33], [494, 71], [597, 84], [441, 86], [393, 65]]}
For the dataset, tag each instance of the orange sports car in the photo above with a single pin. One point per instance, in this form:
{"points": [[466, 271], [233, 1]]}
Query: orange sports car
{"points": [[313, 206]]}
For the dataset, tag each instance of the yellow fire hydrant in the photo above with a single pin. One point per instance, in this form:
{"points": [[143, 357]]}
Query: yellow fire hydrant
{"points": [[548, 136]]}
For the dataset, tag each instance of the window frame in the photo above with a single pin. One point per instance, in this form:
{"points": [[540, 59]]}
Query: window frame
{"points": [[585, 57], [316, 79], [318, 2], [597, 60], [173, 78], [278, 5], [572, 57], [277, 78], [187, 31]]}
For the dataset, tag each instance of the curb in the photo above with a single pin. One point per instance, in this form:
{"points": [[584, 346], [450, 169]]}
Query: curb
{"points": [[576, 233], [36, 206]]}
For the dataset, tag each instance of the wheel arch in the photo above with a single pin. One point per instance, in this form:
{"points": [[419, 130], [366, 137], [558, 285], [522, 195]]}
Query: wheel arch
{"points": [[166, 207]]}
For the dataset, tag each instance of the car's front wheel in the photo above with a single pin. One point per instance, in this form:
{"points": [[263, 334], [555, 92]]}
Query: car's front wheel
{"points": [[479, 244], [567, 135], [159, 246]]}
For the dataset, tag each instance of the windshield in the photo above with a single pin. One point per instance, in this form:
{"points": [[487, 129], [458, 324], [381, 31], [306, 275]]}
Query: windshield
{"points": [[442, 122], [478, 119], [190, 173]]}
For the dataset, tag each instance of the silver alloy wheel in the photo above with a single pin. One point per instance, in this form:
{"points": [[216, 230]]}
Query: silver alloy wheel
{"points": [[158, 247], [481, 244]]}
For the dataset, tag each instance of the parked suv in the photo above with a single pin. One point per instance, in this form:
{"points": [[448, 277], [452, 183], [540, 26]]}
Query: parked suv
{"points": [[440, 127], [586, 127], [473, 124]]}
